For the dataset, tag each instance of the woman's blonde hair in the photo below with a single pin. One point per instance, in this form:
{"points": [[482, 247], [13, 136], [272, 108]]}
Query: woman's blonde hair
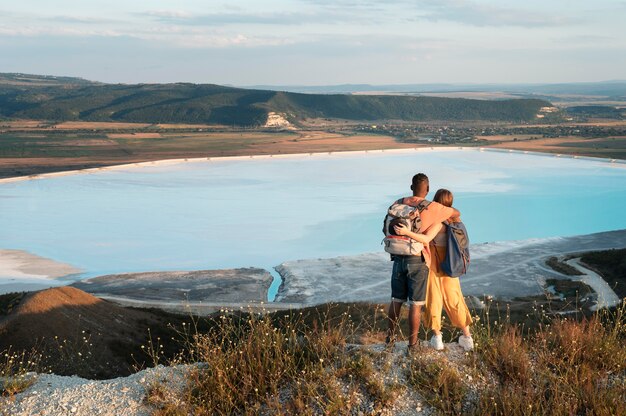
{"points": [[444, 197]]}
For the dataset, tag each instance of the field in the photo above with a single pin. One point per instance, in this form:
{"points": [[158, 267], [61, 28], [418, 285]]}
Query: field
{"points": [[610, 147], [29, 147]]}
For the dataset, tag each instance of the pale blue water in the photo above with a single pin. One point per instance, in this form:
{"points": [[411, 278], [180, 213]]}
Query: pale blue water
{"points": [[261, 212]]}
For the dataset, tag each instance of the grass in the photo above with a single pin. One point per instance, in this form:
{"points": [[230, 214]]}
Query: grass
{"points": [[297, 362], [317, 361], [313, 362], [250, 358], [49, 144], [565, 367], [440, 383], [16, 370], [289, 363]]}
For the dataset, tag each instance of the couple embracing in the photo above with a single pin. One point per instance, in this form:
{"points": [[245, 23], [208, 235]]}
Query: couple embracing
{"points": [[417, 277]]}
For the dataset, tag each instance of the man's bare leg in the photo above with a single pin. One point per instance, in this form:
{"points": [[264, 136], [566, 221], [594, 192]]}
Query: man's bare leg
{"points": [[392, 318], [414, 323]]}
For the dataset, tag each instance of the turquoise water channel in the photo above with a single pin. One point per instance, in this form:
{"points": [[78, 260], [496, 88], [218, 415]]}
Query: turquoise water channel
{"points": [[262, 211]]}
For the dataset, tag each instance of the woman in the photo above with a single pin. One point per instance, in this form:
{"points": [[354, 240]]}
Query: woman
{"points": [[443, 291]]}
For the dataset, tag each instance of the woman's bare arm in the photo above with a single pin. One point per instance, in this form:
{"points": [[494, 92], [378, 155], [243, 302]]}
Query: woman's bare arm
{"points": [[425, 238]]}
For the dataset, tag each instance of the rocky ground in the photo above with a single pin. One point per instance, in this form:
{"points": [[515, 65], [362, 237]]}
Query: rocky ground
{"points": [[52, 395], [58, 395]]}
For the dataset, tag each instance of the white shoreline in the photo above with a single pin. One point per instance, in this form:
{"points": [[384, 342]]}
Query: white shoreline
{"points": [[24, 271], [164, 162], [26, 267]]}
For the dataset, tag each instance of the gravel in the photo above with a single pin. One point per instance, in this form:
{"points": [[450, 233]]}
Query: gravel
{"points": [[60, 395]]}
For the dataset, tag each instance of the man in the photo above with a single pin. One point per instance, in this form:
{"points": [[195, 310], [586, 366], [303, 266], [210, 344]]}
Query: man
{"points": [[409, 277]]}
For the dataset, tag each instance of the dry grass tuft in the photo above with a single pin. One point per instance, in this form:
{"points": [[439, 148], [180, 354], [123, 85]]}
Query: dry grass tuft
{"points": [[565, 367], [16, 371], [441, 384]]}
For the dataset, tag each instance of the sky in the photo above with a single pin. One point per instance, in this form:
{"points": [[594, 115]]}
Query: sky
{"points": [[323, 42]]}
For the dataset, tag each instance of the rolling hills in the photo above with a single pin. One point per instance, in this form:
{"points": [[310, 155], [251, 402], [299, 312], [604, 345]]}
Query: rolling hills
{"points": [[77, 333], [74, 99]]}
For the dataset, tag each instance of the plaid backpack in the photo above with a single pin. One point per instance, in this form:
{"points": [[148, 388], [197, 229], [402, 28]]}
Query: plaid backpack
{"points": [[400, 213], [457, 257]]}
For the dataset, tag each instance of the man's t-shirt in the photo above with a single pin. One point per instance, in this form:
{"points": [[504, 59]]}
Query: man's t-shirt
{"points": [[433, 214]]}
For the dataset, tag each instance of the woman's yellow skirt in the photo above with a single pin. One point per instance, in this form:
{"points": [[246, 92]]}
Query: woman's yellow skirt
{"points": [[444, 292]]}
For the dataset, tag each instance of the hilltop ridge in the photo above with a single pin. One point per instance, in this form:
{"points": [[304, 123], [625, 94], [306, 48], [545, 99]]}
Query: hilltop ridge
{"points": [[74, 99]]}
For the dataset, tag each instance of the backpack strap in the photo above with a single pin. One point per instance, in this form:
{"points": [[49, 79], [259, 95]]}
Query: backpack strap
{"points": [[423, 204]]}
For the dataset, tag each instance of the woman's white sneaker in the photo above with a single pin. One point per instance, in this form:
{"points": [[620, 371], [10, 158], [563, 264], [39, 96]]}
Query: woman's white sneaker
{"points": [[437, 342], [466, 342]]}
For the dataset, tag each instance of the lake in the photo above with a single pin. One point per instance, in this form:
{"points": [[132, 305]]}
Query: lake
{"points": [[261, 211]]}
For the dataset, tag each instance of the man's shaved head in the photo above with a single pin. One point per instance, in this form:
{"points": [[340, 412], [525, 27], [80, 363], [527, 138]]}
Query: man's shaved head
{"points": [[420, 185]]}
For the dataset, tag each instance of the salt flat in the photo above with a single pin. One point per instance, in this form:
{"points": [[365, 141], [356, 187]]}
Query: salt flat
{"points": [[24, 271], [504, 270]]}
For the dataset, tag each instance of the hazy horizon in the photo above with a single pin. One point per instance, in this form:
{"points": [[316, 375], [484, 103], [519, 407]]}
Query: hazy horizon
{"points": [[450, 84], [317, 43]]}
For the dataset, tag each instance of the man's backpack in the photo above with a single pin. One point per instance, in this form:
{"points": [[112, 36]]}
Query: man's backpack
{"points": [[457, 257], [400, 213]]}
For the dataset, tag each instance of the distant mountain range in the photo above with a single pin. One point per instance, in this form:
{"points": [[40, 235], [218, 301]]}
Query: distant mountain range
{"points": [[612, 89], [66, 99]]}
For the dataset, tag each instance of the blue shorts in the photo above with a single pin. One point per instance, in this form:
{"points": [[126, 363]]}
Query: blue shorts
{"points": [[409, 280]]}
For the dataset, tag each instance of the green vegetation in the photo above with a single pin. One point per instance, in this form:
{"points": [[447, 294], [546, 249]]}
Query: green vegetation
{"points": [[30, 79], [363, 107], [98, 146], [562, 267], [611, 264], [570, 289], [8, 301], [595, 111], [206, 103]]}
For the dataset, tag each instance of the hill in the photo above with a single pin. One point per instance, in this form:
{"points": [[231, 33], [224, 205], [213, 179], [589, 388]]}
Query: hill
{"points": [[78, 333], [596, 111], [72, 99], [16, 79]]}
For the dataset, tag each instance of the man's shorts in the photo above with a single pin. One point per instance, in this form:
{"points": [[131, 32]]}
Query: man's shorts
{"points": [[409, 279]]}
